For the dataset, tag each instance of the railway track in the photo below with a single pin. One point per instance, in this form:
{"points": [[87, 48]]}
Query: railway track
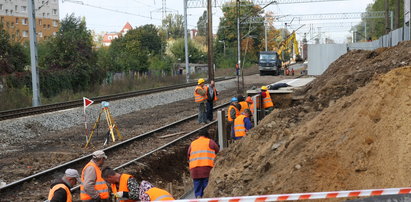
{"points": [[16, 113], [120, 155]]}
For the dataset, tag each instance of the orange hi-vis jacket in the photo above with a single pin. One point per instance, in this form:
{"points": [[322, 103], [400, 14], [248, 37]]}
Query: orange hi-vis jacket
{"points": [[244, 106], [239, 126], [237, 113], [100, 185], [267, 102], [215, 93], [122, 186], [157, 194], [58, 186], [201, 154], [197, 96]]}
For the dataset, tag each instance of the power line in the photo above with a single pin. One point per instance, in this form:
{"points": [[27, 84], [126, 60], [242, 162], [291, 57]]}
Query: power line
{"points": [[109, 9], [221, 3]]}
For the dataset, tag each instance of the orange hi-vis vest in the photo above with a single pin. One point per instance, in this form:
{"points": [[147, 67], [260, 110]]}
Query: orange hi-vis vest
{"points": [[239, 126], [157, 194], [215, 93], [244, 106], [122, 186], [201, 154], [100, 185], [237, 113], [267, 102], [58, 186], [197, 96]]}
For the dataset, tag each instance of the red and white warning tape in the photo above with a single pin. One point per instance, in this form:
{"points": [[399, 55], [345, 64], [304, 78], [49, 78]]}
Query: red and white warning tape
{"points": [[303, 196]]}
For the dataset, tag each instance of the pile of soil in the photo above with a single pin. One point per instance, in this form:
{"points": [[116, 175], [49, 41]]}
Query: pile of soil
{"points": [[351, 132]]}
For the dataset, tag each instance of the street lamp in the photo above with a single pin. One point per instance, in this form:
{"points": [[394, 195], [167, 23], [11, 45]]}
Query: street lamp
{"points": [[223, 44]]}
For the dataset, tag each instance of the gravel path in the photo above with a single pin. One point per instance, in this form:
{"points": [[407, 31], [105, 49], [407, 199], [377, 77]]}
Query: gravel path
{"points": [[16, 130]]}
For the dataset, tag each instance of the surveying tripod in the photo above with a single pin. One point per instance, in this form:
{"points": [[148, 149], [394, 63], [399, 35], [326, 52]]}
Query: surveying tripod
{"points": [[110, 122]]}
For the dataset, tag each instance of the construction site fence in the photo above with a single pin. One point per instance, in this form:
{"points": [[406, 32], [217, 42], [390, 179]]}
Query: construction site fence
{"points": [[320, 56]]}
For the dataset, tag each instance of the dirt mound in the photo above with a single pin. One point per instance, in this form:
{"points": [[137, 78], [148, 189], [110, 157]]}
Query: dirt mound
{"points": [[354, 70], [360, 141]]}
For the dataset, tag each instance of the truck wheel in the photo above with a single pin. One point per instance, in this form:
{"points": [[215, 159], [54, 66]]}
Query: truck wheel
{"points": [[261, 73]]}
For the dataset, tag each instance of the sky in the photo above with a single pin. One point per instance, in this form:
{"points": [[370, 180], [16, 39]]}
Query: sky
{"points": [[140, 12]]}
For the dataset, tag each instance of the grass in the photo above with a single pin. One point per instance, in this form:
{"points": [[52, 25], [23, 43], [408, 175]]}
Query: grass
{"points": [[20, 98]]}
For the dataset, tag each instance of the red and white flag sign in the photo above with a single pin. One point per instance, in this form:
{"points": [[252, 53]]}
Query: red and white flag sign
{"points": [[87, 102]]}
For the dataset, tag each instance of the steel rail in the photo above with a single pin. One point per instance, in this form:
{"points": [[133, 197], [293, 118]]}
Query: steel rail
{"points": [[9, 114], [118, 145]]}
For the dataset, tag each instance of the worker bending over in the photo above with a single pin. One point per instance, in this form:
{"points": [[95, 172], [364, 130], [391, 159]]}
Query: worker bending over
{"points": [[60, 189], [242, 103], [93, 188], [201, 155], [200, 97], [268, 104], [242, 124], [250, 103], [126, 188]]}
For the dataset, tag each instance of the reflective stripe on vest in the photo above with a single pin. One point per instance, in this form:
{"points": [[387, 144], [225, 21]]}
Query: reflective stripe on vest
{"points": [[122, 186], [244, 106], [215, 93], [267, 102], [239, 126], [237, 113], [58, 186], [197, 96], [252, 108], [157, 194], [100, 186], [201, 154]]}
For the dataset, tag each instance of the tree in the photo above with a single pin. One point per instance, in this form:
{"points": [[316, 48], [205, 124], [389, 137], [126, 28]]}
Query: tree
{"points": [[376, 27], [174, 26], [202, 25], [127, 53], [196, 55], [71, 47], [12, 55], [149, 38]]}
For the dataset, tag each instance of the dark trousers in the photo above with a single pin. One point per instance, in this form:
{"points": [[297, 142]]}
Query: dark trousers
{"points": [[199, 186], [209, 110]]}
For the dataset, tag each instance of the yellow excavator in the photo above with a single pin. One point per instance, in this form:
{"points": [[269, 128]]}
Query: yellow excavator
{"points": [[285, 46]]}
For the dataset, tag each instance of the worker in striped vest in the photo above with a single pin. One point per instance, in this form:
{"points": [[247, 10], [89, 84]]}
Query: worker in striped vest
{"points": [[211, 98], [93, 188], [268, 104], [126, 188], [200, 97], [242, 124], [60, 189], [201, 155]]}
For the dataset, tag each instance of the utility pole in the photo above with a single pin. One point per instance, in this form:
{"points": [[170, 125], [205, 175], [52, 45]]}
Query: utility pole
{"points": [[33, 54], [265, 35], [238, 46], [186, 42], [210, 42], [397, 14], [387, 20]]}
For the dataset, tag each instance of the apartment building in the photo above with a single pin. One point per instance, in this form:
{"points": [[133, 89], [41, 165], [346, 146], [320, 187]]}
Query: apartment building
{"points": [[14, 17]]}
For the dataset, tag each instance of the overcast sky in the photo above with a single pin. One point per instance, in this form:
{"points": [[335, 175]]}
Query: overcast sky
{"points": [[149, 12]]}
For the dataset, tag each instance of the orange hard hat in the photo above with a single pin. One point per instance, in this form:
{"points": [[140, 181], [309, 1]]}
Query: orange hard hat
{"points": [[249, 100]]}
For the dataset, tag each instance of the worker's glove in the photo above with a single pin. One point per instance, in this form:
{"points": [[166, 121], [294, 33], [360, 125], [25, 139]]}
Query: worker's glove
{"points": [[119, 194]]}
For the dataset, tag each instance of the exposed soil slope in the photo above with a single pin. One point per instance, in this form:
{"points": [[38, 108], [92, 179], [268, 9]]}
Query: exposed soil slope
{"points": [[360, 141]]}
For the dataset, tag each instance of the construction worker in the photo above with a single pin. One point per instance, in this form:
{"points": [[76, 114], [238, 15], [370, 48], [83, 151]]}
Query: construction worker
{"points": [[233, 112], [60, 189], [201, 155], [268, 104], [200, 97], [211, 98], [242, 124], [250, 103], [93, 188], [243, 103], [126, 188]]}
